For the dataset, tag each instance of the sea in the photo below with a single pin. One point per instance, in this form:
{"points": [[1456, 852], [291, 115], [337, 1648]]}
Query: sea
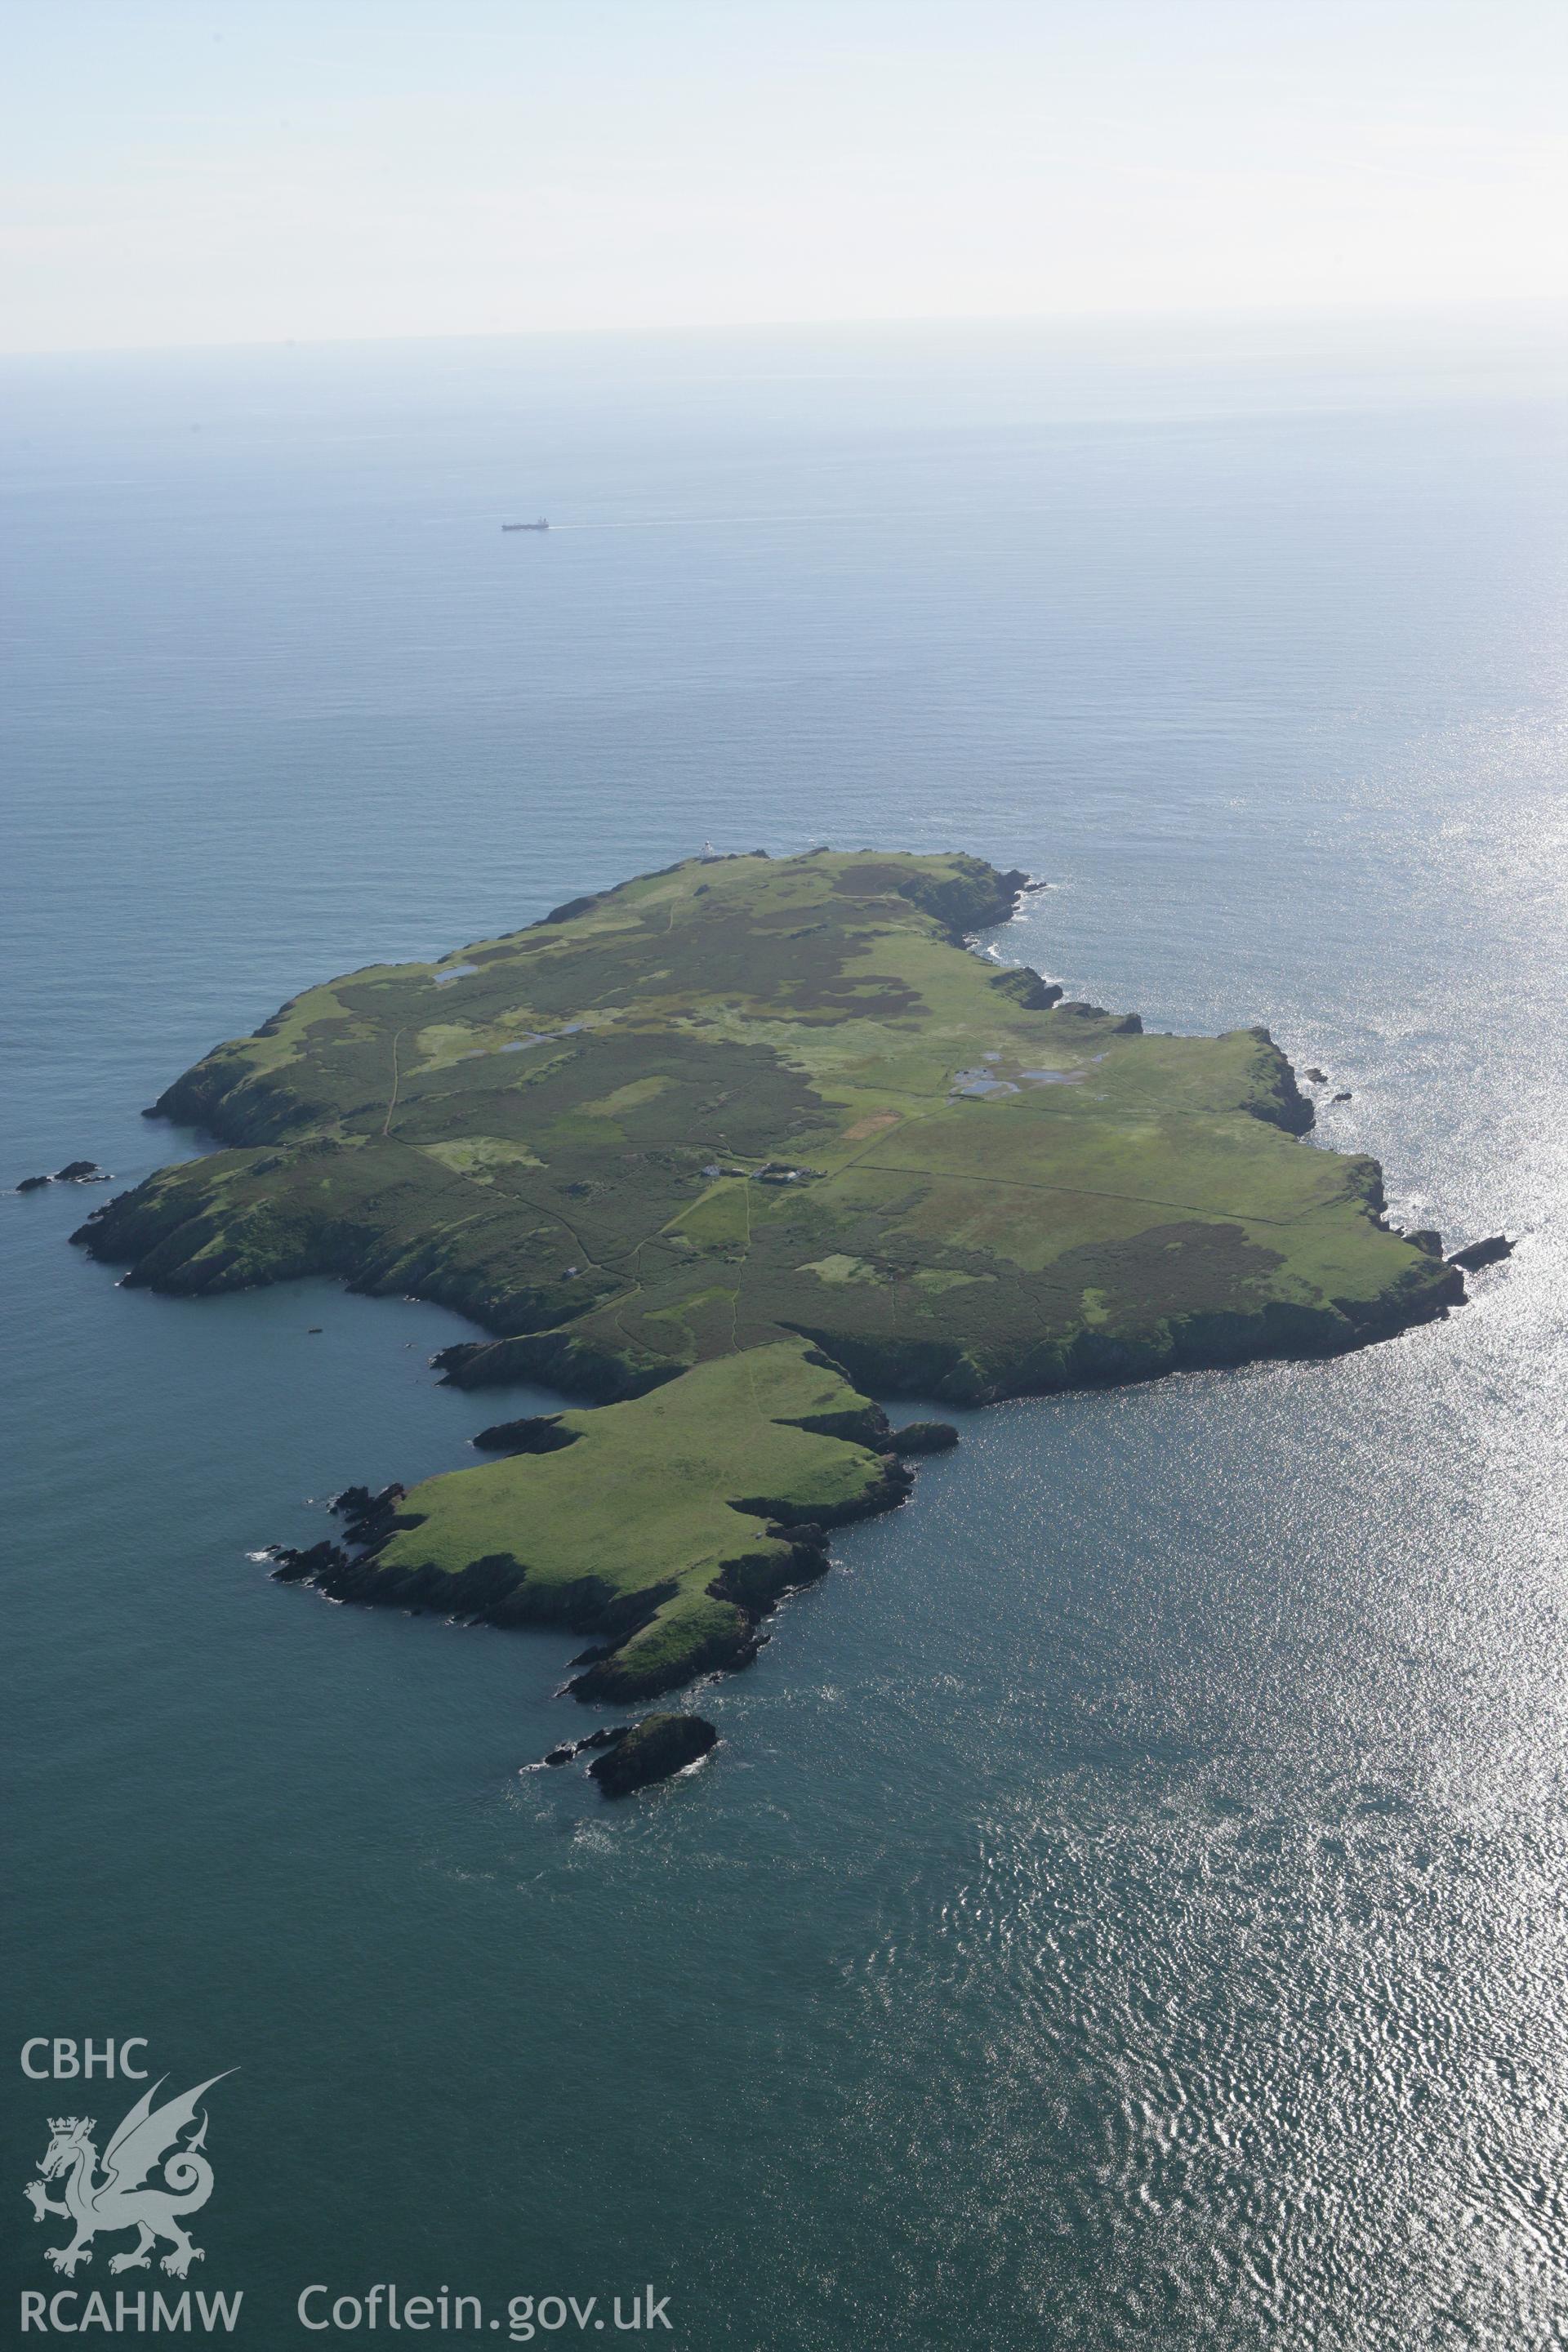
{"points": [[1129, 1905]]}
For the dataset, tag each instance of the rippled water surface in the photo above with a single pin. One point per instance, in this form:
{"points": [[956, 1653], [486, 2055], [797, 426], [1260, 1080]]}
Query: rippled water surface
{"points": [[1128, 1905]]}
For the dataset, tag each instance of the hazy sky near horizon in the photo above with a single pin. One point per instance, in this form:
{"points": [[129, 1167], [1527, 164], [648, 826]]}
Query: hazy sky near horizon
{"points": [[198, 172]]}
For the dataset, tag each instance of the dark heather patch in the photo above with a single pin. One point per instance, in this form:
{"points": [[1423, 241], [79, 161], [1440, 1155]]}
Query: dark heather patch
{"points": [[717, 951], [714, 1088], [872, 879], [1166, 1274], [875, 996], [789, 919], [1177, 1269]]}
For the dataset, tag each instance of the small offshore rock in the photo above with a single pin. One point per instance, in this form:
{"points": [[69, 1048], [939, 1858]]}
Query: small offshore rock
{"points": [[34, 1183], [1317, 1078], [606, 1735], [1344, 1097], [925, 1437], [80, 1171], [1475, 1254], [653, 1749]]}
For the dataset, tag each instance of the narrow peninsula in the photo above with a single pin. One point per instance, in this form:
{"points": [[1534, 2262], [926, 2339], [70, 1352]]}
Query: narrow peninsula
{"points": [[724, 1152]]}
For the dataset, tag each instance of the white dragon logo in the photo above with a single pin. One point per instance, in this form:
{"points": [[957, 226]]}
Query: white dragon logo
{"points": [[124, 2199]]}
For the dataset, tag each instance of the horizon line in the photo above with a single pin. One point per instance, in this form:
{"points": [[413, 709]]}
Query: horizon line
{"points": [[1544, 306]]}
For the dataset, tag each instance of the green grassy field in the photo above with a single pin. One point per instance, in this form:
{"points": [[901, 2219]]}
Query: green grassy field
{"points": [[657, 1500], [567, 1135]]}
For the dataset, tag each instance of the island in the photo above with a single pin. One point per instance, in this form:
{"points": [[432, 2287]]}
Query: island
{"points": [[723, 1153]]}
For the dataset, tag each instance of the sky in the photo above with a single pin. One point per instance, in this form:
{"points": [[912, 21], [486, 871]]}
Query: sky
{"points": [[211, 172]]}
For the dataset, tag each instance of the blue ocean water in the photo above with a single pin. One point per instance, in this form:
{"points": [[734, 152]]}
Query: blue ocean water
{"points": [[1128, 1905]]}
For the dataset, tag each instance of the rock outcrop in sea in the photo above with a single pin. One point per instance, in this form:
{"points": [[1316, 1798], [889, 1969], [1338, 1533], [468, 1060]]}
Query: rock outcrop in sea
{"points": [[653, 1749]]}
